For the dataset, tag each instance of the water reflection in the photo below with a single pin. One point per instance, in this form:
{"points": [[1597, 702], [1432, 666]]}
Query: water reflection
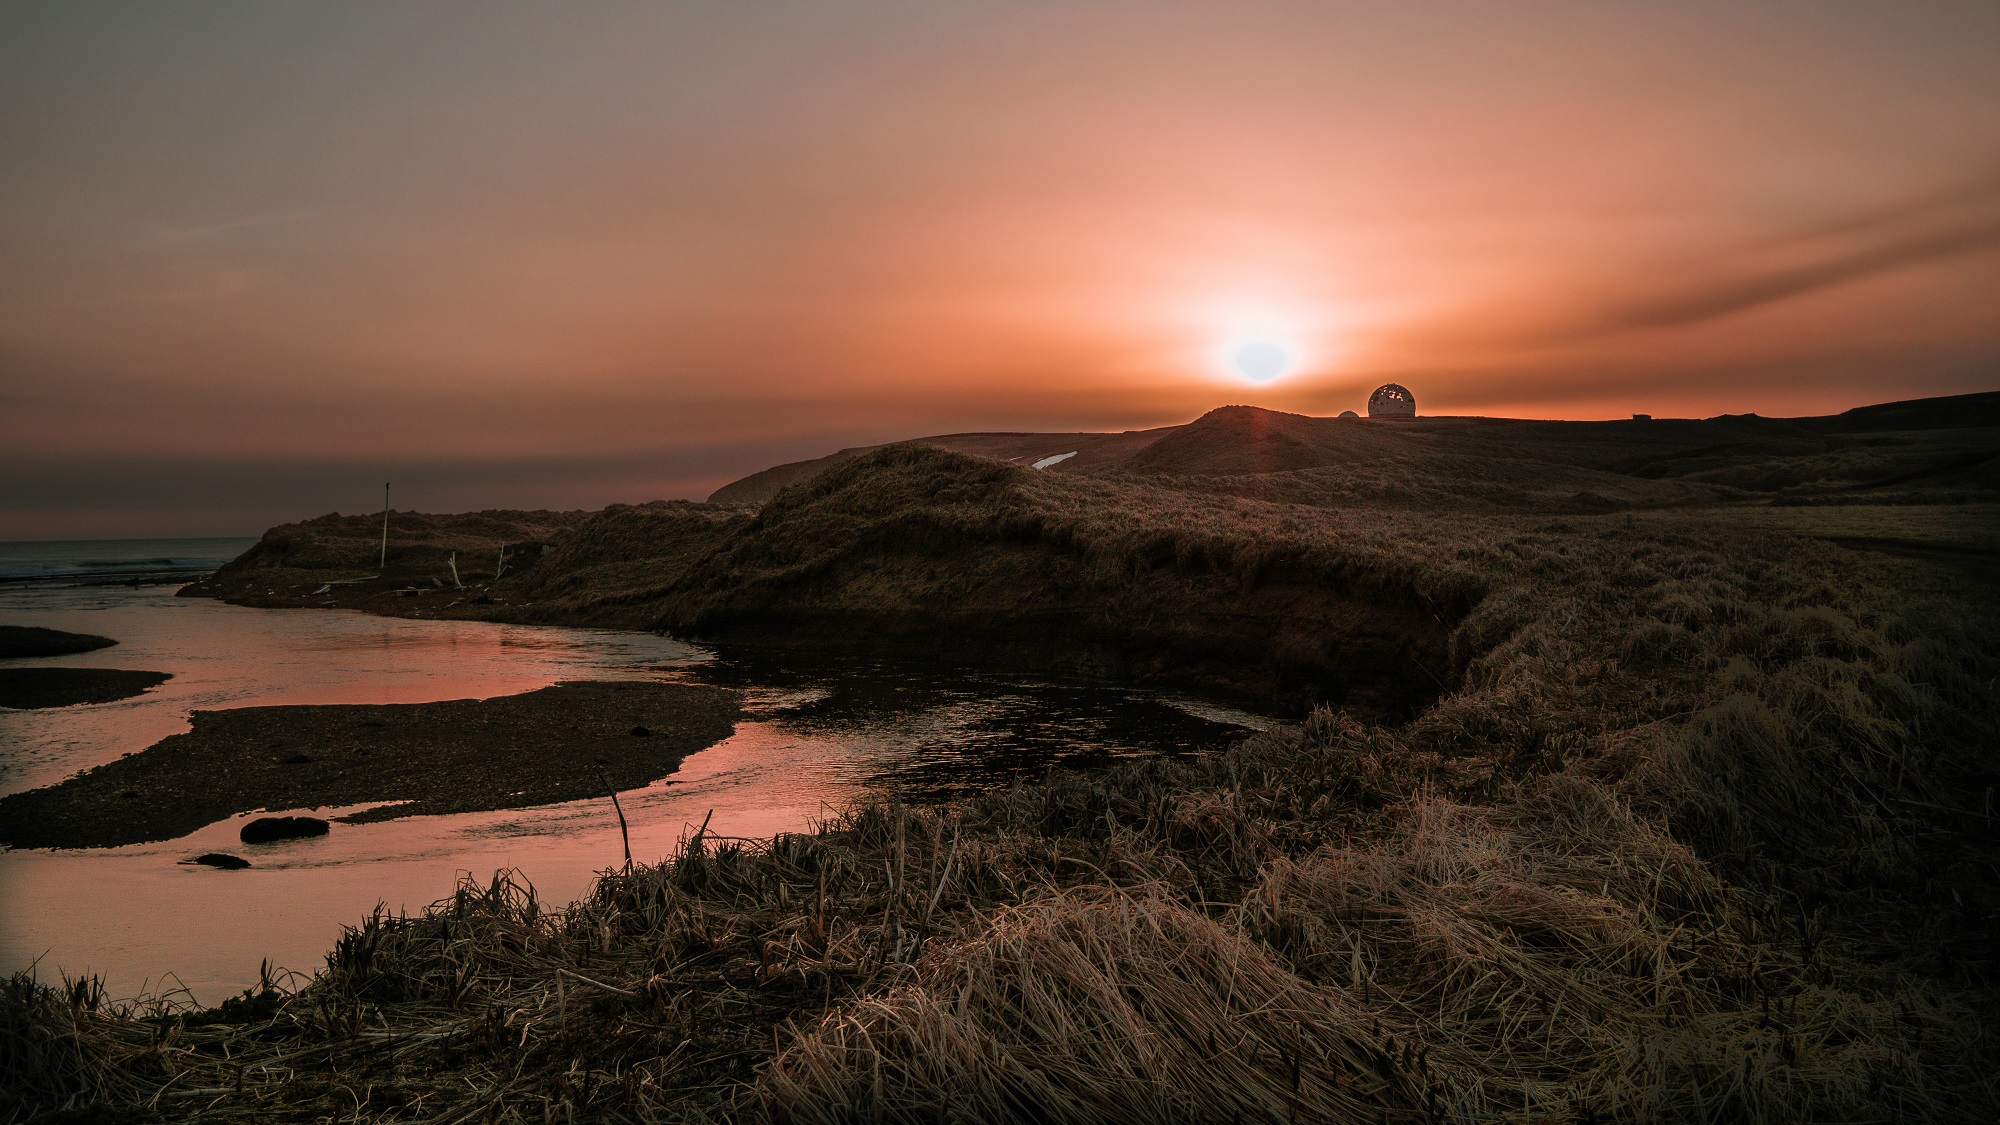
{"points": [[932, 733], [818, 735], [232, 656]]}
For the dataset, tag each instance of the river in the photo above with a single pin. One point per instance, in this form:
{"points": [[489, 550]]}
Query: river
{"points": [[817, 735]]}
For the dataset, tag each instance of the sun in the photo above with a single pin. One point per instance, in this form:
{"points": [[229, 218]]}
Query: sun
{"points": [[1261, 361], [1260, 349]]}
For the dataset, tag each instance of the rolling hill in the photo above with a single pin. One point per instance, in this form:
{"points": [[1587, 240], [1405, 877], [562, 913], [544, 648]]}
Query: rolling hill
{"points": [[1922, 450]]}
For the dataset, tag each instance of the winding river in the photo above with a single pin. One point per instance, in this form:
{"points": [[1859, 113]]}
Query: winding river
{"points": [[817, 735]]}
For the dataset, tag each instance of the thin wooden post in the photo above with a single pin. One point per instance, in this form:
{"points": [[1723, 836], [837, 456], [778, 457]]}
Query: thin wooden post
{"points": [[385, 526], [624, 833]]}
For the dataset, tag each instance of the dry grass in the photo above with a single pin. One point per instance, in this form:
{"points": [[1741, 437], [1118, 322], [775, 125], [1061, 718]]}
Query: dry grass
{"points": [[1703, 831]]}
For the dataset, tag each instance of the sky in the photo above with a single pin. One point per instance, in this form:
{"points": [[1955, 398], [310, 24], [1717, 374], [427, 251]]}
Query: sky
{"points": [[257, 258]]}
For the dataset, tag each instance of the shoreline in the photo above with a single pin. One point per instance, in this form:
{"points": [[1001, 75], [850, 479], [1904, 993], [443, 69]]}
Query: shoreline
{"points": [[554, 744]]}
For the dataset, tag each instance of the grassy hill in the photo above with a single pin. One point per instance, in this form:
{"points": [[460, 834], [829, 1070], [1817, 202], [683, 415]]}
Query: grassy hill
{"points": [[1674, 805], [1248, 552], [1090, 451], [1942, 450]]}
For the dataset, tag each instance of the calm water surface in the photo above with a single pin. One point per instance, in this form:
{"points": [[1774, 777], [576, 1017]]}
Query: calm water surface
{"points": [[817, 736]]}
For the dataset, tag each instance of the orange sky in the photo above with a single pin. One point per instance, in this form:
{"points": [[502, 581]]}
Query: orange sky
{"points": [[256, 258]]}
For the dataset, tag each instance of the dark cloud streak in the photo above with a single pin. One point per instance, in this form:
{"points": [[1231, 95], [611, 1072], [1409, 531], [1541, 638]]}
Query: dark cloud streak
{"points": [[1948, 226]]}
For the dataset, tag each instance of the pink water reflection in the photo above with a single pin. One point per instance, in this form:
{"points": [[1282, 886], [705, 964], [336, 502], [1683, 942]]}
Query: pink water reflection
{"points": [[150, 923], [230, 656], [145, 916], [812, 743]]}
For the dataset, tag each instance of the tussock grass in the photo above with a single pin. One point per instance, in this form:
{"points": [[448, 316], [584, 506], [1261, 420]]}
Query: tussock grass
{"points": [[1104, 1005], [1702, 830]]}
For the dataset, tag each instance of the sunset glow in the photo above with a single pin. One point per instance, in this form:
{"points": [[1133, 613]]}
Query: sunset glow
{"points": [[255, 257], [1259, 347]]}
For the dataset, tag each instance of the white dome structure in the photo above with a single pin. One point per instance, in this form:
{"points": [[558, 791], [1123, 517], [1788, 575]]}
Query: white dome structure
{"points": [[1392, 400]]}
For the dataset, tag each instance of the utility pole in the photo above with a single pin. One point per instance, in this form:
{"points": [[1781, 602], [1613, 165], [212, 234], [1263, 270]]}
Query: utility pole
{"points": [[385, 526]]}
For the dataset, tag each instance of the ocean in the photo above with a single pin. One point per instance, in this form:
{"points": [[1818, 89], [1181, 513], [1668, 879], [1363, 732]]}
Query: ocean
{"points": [[116, 560]]}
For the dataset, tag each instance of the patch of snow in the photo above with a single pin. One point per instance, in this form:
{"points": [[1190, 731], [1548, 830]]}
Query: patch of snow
{"points": [[1057, 459]]}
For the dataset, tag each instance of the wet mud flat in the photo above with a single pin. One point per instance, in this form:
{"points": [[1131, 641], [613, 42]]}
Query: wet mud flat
{"points": [[33, 688], [560, 743], [33, 640]]}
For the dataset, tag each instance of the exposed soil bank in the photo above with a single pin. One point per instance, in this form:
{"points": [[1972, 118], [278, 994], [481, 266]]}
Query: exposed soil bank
{"points": [[28, 688], [33, 640], [929, 553], [462, 755]]}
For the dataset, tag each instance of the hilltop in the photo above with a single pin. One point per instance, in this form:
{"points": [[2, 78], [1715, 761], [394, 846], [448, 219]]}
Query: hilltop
{"points": [[1922, 450]]}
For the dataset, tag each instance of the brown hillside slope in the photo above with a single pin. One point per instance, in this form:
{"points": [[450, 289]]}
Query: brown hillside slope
{"points": [[1235, 440], [979, 559], [619, 561], [976, 559], [1092, 451], [580, 568], [335, 548], [1922, 451]]}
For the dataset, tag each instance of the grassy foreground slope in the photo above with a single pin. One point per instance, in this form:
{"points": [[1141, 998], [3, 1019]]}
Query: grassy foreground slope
{"points": [[1697, 825]]}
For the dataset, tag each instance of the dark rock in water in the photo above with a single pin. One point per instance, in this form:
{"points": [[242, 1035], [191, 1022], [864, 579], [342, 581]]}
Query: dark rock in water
{"points": [[641, 732], [27, 688], [32, 640], [265, 829], [223, 860]]}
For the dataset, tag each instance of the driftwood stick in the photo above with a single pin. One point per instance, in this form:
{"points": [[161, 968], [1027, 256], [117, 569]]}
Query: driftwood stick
{"points": [[624, 832]]}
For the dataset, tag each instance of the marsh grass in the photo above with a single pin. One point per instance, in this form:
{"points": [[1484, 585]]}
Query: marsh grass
{"points": [[1702, 830]]}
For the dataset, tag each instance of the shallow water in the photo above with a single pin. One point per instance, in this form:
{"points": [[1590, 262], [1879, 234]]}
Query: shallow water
{"points": [[817, 736], [114, 558]]}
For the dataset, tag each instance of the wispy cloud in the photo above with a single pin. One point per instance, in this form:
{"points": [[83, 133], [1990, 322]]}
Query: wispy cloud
{"points": [[1951, 224]]}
